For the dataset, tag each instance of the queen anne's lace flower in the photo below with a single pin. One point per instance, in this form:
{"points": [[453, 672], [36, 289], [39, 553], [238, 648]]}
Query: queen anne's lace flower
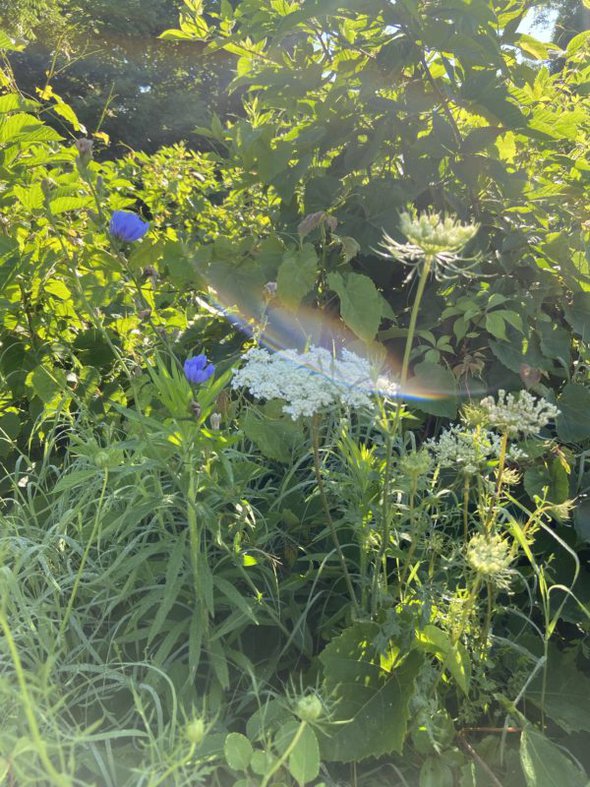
{"points": [[518, 414], [311, 381], [467, 450]]}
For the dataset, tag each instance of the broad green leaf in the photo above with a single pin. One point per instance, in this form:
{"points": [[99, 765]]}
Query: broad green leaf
{"points": [[567, 689], [63, 204], [297, 275], [30, 197], [361, 304], [454, 658], [304, 760], [47, 383], [496, 325], [433, 389], [545, 764], [276, 437], [573, 421], [371, 693], [238, 751], [577, 313]]}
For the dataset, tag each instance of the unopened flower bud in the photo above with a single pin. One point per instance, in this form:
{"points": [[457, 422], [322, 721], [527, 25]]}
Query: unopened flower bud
{"points": [[195, 730], [309, 708], [84, 148], [215, 421], [195, 409]]}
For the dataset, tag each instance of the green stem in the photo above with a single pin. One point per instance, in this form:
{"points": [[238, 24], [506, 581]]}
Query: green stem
{"points": [[57, 778], [87, 548], [285, 755], [315, 442], [413, 544], [413, 319], [493, 507], [381, 560]]}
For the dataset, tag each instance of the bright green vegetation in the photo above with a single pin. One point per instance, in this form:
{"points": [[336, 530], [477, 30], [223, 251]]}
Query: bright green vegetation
{"points": [[351, 584]]}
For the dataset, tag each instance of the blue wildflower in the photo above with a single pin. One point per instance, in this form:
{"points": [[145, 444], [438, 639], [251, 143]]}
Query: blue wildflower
{"points": [[198, 369], [127, 226]]}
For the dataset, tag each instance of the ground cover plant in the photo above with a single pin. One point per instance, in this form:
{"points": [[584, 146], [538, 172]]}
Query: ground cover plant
{"points": [[295, 432]]}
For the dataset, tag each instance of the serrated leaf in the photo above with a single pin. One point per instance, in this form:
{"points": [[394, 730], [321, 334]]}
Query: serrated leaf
{"points": [[371, 694], [63, 204]]}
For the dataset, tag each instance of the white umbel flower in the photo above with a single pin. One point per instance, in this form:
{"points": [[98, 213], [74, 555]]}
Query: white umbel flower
{"points": [[522, 414], [468, 450], [311, 381]]}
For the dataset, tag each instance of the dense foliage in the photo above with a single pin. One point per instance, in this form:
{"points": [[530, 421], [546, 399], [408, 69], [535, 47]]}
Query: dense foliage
{"points": [[356, 562], [106, 60]]}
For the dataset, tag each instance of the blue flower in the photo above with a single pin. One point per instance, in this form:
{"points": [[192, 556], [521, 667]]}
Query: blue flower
{"points": [[127, 226], [198, 369]]}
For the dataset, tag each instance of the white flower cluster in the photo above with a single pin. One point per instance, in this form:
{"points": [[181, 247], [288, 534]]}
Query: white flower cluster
{"points": [[513, 415], [310, 381], [467, 450]]}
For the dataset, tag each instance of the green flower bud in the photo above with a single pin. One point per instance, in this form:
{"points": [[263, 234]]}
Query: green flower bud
{"points": [[195, 730], [309, 708]]}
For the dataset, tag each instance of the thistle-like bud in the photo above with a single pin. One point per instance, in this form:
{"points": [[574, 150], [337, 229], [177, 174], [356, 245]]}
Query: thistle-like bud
{"points": [[490, 557], [309, 708], [434, 233], [195, 730]]}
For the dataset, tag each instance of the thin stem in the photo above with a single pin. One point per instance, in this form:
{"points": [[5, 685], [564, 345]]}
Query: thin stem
{"points": [[87, 548], [57, 778], [381, 560], [285, 755], [413, 318], [315, 442], [466, 507]]}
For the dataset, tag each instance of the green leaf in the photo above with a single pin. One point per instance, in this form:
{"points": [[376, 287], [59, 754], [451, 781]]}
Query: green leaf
{"points": [[545, 765], [304, 760], [573, 422], [30, 197], [297, 275], [276, 437], [433, 389], [567, 690], [238, 751], [577, 313], [454, 657], [64, 204], [496, 325], [552, 477], [371, 693], [46, 384], [361, 304], [581, 519]]}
